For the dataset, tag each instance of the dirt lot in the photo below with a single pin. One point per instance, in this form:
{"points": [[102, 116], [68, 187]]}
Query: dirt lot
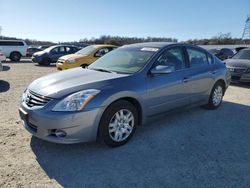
{"points": [[192, 148]]}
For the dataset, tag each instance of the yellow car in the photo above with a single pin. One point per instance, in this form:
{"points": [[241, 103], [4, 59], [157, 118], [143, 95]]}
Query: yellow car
{"points": [[84, 56]]}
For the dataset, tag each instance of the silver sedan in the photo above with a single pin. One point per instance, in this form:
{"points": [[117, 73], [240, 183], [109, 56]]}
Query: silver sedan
{"points": [[119, 91]]}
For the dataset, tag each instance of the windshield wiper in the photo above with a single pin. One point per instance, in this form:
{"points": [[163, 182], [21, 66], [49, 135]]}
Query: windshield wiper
{"points": [[102, 70]]}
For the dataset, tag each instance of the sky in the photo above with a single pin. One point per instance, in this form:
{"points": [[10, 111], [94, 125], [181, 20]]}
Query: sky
{"points": [[72, 20]]}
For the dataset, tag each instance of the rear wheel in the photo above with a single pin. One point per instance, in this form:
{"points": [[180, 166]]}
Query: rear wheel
{"points": [[216, 96], [118, 123], [15, 56]]}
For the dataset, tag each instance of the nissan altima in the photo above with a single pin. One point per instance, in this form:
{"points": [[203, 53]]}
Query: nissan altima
{"points": [[119, 91]]}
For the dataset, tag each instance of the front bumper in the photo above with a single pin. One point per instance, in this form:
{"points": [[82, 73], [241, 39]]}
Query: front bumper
{"points": [[64, 66], [60, 66], [78, 126], [36, 59], [244, 77]]}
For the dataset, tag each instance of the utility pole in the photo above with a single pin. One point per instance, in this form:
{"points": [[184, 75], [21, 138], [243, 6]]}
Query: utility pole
{"points": [[246, 31]]}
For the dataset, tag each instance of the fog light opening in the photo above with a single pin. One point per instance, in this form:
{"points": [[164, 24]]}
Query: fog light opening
{"points": [[59, 133]]}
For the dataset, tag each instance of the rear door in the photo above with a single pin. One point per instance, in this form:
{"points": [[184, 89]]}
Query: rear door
{"points": [[169, 91], [202, 73]]}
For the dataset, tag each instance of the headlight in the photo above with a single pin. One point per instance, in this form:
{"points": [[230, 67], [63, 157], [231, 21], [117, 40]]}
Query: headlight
{"points": [[70, 61], [76, 101], [24, 96]]}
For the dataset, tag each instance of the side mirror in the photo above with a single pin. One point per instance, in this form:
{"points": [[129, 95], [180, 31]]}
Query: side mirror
{"points": [[161, 69]]}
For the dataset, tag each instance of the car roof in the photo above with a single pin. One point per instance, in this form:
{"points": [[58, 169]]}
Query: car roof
{"points": [[58, 45], [103, 45], [150, 44], [159, 45]]}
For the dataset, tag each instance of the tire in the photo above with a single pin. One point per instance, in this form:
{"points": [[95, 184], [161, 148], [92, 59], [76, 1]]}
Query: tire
{"points": [[15, 56], [46, 61], [216, 96], [114, 132]]}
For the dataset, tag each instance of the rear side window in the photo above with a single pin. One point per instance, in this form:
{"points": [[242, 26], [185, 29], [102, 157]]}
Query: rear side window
{"points": [[68, 49], [11, 43], [197, 58]]}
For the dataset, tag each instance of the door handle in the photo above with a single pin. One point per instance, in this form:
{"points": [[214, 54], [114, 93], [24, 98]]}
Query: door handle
{"points": [[213, 72], [185, 80]]}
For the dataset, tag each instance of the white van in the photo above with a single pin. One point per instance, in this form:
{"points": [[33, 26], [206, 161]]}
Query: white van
{"points": [[13, 49]]}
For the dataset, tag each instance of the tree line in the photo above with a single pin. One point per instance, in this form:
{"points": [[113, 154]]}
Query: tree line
{"points": [[119, 41]]}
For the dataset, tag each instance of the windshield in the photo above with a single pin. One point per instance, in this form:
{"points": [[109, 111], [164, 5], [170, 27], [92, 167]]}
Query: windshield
{"points": [[48, 49], [243, 54], [123, 60], [87, 50]]}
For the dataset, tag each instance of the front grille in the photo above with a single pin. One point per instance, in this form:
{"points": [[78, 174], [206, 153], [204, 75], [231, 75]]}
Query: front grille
{"points": [[33, 99], [236, 78], [239, 69]]}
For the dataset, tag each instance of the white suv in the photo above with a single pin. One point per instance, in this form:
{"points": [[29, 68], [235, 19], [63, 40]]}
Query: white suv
{"points": [[13, 49]]}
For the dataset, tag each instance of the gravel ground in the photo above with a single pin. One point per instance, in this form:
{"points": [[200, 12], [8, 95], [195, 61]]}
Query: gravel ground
{"points": [[191, 148]]}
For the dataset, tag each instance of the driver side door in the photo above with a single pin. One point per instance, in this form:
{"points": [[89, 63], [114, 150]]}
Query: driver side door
{"points": [[170, 90]]}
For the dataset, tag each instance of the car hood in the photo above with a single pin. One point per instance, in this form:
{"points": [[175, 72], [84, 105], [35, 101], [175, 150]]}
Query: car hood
{"points": [[39, 53], [238, 63], [71, 56], [60, 84]]}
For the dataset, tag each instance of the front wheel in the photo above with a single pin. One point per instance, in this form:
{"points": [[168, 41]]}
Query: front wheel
{"points": [[118, 123], [216, 96], [46, 61]]}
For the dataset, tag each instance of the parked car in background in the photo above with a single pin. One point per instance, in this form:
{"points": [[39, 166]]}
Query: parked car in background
{"points": [[120, 90], [240, 48], [83, 57], [52, 54], [13, 49], [31, 51], [239, 66], [224, 53]]}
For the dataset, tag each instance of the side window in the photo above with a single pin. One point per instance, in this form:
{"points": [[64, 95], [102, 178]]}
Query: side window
{"points": [[174, 58], [68, 49], [196, 57], [11, 43], [61, 49]]}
